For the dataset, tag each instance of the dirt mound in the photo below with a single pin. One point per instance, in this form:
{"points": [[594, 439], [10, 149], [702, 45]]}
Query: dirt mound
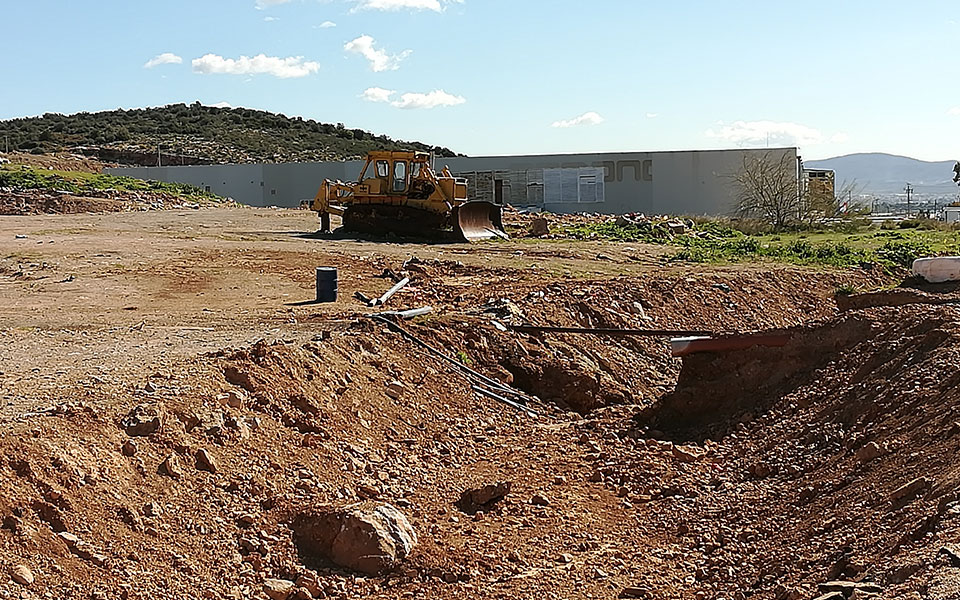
{"points": [[843, 469], [60, 161], [36, 202], [581, 372]]}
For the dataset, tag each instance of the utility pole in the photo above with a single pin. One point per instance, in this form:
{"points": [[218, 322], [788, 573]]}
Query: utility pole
{"points": [[909, 191], [158, 154]]}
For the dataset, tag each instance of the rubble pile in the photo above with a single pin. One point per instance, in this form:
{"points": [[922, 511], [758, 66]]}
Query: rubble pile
{"points": [[15, 201], [595, 226]]}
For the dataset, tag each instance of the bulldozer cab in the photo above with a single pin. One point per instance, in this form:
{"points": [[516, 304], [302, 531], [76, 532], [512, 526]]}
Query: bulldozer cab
{"points": [[394, 170]]}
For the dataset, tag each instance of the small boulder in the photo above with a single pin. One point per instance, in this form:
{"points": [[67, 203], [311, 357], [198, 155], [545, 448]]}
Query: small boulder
{"points": [[205, 462], [278, 589], [952, 553], [234, 399], [686, 454], [395, 389], [539, 226], [869, 452], [848, 587], [909, 491], [482, 498], [128, 448], [367, 537], [171, 467], [539, 500], [22, 574], [143, 420]]}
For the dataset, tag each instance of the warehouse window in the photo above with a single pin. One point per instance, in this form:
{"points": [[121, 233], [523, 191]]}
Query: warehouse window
{"points": [[573, 185], [588, 188]]}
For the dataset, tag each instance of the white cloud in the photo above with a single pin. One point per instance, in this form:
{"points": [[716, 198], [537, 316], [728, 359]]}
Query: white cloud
{"points": [[379, 59], [283, 68], [271, 19], [764, 132], [429, 100], [412, 100], [587, 118], [393, 5], [325, 25], [262, 4], [376, 94], [955, 111], [167, 58], [653, 115]]}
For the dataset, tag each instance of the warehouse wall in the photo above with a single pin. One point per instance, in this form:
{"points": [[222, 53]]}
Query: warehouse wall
{"points": [[686, 182]]}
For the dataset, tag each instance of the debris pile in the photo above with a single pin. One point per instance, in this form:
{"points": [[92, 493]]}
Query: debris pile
{"points": [[15, 201], [593, 226]]}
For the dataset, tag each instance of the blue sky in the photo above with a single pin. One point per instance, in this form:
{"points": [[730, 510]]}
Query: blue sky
{"points": [[514, 77]]}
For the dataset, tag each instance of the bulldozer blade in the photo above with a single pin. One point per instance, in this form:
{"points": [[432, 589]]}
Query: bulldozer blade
{"points": [[478, 220]]}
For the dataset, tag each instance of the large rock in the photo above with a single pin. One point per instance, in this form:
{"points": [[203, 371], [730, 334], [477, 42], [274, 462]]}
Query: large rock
{"points": [[367, 537]]}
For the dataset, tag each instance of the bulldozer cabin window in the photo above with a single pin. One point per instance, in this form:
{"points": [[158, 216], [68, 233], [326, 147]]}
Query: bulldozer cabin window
{"points": [[382, 168], [399, 176]]}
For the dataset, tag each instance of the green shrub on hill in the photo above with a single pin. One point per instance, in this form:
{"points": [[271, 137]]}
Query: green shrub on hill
{"points": [[217, 134]]}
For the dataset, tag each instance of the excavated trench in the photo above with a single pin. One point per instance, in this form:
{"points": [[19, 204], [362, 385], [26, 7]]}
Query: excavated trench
{"points": [[716, 391]]}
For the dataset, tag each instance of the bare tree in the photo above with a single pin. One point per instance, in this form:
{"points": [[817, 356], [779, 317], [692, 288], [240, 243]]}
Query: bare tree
{"points": [[956, 173], [818, 203], [767, 188]]}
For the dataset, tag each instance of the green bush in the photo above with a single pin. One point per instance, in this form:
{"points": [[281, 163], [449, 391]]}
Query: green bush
{"points": [[80, 183], [903, 252]]}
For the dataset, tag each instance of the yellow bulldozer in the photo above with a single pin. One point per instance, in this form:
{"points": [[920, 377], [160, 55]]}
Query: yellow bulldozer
{"points": [[402, 195]]}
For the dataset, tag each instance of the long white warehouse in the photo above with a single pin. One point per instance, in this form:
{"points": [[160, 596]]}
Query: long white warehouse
{"points": [[683, 182]]}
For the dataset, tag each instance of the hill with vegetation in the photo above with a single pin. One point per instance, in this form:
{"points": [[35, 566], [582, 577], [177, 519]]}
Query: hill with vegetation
{"points": [[196, 134]]}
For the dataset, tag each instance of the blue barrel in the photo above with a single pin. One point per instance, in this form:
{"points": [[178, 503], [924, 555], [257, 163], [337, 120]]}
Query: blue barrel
{"points": [[326, 284]]}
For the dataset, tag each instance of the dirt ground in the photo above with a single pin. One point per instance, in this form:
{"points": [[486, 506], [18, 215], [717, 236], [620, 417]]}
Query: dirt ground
{"points": [[729, 476]]}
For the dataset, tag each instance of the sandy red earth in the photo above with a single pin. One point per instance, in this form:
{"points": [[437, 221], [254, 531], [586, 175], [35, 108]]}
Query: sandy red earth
{"points": [[762, 473]]}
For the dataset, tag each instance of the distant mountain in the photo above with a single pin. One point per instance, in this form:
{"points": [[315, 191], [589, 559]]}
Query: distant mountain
{"points": [[886, 174], [192, 134]]}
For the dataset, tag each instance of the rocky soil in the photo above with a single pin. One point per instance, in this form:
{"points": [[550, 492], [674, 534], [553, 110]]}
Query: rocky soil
{"points": [[337, 458]]}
